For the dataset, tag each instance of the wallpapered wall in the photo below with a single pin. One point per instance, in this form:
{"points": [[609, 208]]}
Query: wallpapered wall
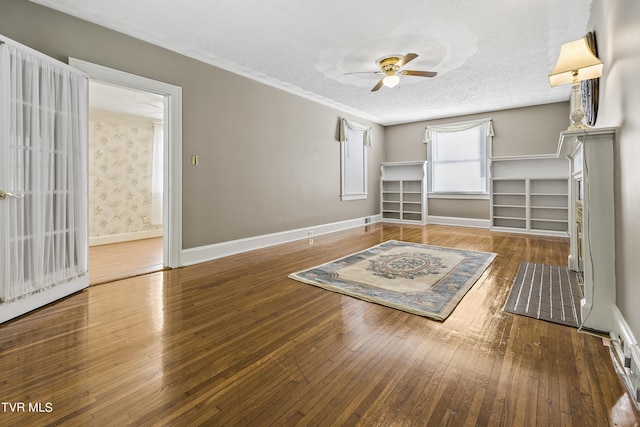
{"points": [[120, 171]]}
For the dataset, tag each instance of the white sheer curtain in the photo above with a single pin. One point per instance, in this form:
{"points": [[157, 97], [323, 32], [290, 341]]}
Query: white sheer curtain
{"points": [[357, 127], [458, 156], [44, 134], [157, 175]]}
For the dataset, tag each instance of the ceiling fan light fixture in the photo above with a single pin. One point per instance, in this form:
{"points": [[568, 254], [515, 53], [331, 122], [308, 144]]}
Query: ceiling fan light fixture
{"points": [[391, 80]]}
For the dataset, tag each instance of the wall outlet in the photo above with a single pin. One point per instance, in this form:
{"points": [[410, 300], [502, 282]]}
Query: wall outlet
{"points": [[146, 220]]}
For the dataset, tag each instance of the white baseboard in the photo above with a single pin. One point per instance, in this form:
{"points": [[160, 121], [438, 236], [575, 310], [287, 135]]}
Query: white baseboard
{"points": [[126, 237], [548, 233], [460, 222], [210, 252], [13, 309], [627, 352]]}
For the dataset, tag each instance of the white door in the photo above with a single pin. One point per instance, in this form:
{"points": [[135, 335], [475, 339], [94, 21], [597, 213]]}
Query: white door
{"points": [[43, 183]]}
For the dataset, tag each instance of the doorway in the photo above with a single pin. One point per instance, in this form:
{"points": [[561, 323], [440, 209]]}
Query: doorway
{"points": [[149, 94], [126, 137]]}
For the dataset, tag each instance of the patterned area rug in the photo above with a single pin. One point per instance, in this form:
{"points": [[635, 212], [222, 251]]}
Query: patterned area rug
{"points": [[420, 279], [546, 292]]}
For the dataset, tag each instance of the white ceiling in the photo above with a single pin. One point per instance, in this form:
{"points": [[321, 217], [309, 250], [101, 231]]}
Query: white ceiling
{"points": [[116, 99], [489, 55]]}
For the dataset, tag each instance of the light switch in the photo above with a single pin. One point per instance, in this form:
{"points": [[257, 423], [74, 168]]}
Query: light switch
{"points": [[194, 160]]}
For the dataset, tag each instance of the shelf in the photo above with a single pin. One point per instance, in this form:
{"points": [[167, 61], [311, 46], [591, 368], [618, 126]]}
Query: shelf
{"points": [[549, 225], [391, 186], [535, 203], [509, 212], [391, 206], [509, 186], [391, 215], [510, 223], [410, 216], [403, 192], [549, 186]]}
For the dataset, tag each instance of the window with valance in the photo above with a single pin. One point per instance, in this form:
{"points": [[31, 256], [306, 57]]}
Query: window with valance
{"points": [[458, 156]]}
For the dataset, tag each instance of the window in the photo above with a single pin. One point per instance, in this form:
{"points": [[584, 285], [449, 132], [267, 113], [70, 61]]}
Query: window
{"points": [[458, 156], [354, 140]]}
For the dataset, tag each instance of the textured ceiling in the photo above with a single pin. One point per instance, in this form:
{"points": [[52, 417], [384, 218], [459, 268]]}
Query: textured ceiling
{"points": [[106, 97], [489, 55]]}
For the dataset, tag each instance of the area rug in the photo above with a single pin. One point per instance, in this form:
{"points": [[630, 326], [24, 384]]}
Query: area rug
{"points": [[420, 279], [546, 292]]}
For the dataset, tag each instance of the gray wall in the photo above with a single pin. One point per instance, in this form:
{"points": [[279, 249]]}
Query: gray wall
{"points": [[617, 28], [518, 132], [269, 160]]}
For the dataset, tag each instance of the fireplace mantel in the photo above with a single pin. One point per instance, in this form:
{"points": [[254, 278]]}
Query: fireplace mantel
{"points": [[591, 219]]}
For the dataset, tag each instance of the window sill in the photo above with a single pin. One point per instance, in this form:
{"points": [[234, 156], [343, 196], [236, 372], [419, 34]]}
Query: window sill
{"points": [[345, 197], [458, 196]]}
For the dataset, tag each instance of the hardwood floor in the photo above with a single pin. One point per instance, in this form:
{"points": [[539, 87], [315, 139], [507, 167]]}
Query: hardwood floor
{"points": [[122, 260], [235, 342]]}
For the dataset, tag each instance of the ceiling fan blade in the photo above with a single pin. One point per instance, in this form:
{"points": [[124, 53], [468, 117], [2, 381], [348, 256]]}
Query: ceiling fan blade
{"points": [[418, 73], [378, 86], [363, 72], [405, 59]]}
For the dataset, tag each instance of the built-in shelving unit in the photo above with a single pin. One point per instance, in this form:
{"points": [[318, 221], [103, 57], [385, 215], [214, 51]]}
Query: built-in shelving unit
{"points": [[530, 195], [403, 192]]}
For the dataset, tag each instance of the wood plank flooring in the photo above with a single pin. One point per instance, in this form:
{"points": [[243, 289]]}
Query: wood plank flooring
{"points": [[122, 260], [234, 342]]}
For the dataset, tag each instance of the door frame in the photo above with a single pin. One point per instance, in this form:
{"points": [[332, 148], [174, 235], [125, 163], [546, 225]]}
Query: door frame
{"points": [[172, 197]]}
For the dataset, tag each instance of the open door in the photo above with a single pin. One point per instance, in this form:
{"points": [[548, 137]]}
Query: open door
{"points": [[43, 167]]}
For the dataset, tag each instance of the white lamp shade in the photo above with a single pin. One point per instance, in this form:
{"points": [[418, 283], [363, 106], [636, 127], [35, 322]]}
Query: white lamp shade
{"points": [[391, 81], [575, 63]]}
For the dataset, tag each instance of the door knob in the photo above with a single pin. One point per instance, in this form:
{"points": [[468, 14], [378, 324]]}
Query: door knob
{"points": [[5, 194]]}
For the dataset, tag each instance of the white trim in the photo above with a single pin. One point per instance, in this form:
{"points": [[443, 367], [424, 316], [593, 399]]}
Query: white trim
{"points": [[459, 196], [125, 237], [172, 199], [570, 140], [526, 157], [409, 163], [210, 252], [535, 232], [625, 345], [344, 197], [22, 306], [97, 114], [459, 222]]}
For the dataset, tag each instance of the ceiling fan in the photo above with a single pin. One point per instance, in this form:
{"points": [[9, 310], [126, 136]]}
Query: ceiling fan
{"points": [[390, 65]]}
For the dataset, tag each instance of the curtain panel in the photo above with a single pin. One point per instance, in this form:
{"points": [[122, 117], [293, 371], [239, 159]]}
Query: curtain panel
{"points": [[157, 178], [44, 137], [357, 127], [457, 127]]}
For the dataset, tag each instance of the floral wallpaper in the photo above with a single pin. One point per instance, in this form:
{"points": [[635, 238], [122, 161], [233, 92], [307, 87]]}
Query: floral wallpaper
{"points": [[120, 170]]}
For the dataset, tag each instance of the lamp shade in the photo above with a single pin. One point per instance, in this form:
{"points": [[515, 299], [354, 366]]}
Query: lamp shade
{"points": [[575, 63], [391, 80]]}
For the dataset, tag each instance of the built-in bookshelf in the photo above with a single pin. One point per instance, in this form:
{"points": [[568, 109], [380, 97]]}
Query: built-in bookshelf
{"points": [[403, 192], [530, 195]]}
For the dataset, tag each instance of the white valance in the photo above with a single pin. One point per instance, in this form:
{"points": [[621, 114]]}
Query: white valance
{"points": [[457, 127], [344, 124]]}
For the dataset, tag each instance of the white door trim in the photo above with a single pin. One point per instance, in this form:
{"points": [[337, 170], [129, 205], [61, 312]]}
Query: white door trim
{"points": [[172, 199]]}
